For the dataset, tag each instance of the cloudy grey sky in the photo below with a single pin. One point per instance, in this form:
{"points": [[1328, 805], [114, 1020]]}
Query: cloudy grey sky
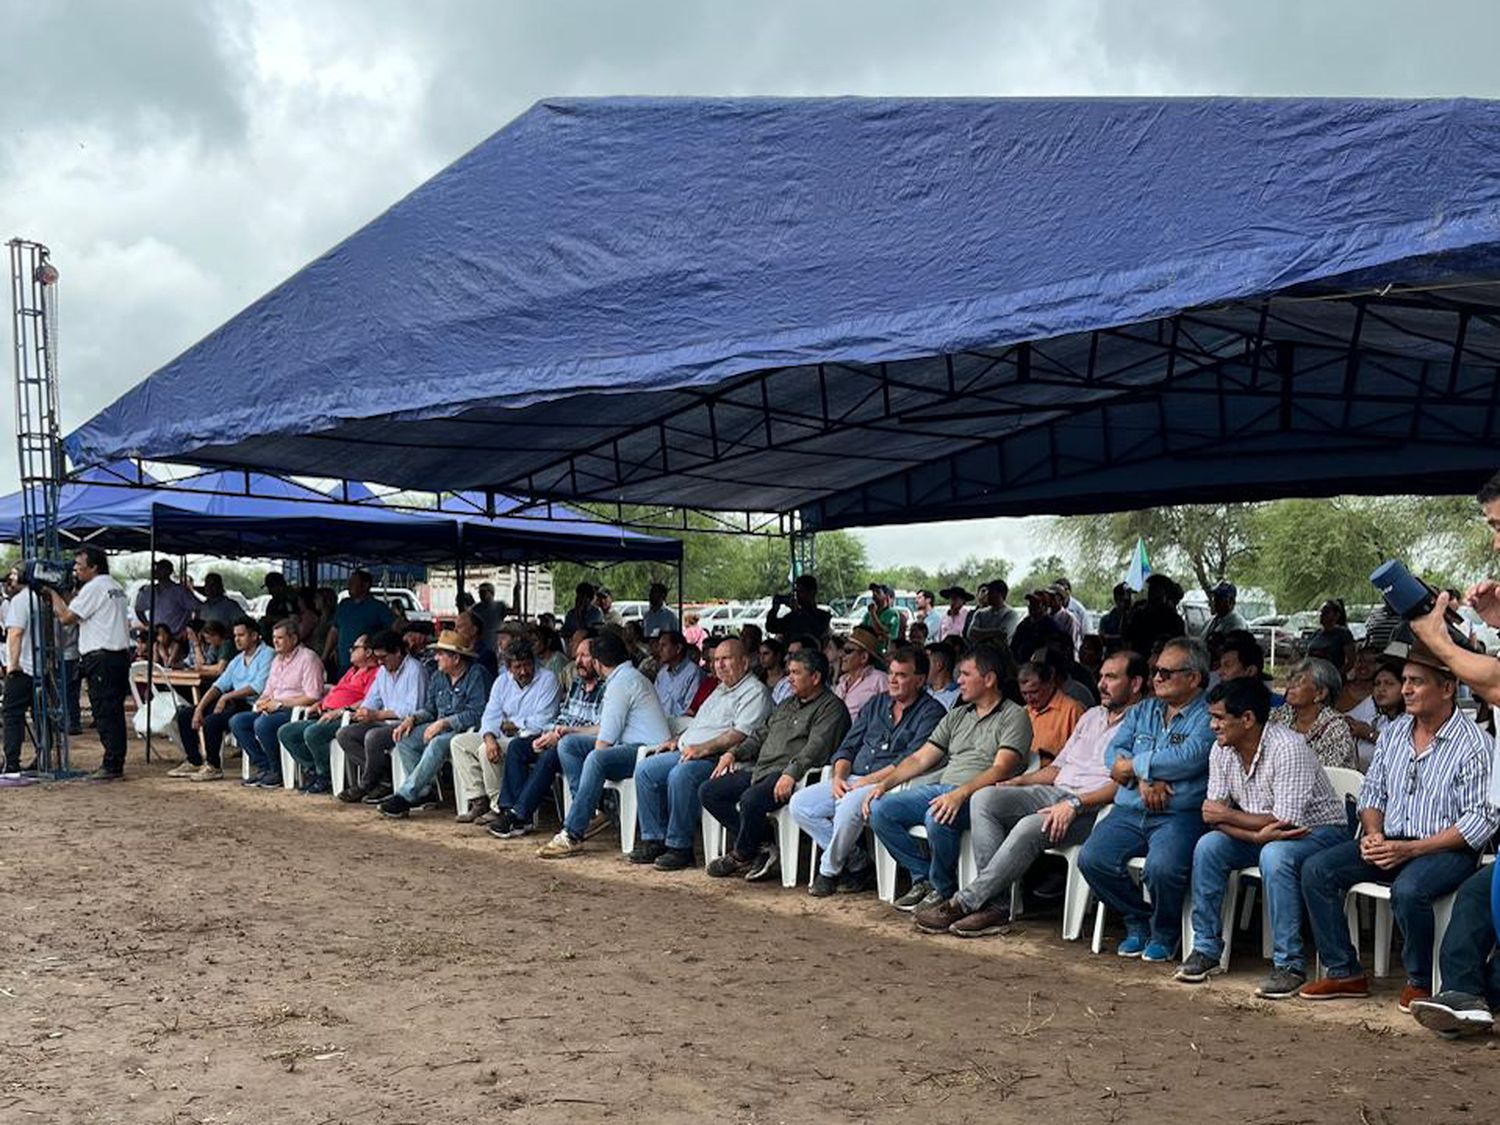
{"points": [[183, 156]]}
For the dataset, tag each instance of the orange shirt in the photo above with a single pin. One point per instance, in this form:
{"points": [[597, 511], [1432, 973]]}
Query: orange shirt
{"points": [[1054, 723]]}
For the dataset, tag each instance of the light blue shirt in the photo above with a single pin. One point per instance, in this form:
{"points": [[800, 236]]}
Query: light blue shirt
{"points": [[404, 693], [247, 670], [1175, 752], [675, 687], [631, 714], [934, 622], [656, 621], [947, 696], [532, 708]]}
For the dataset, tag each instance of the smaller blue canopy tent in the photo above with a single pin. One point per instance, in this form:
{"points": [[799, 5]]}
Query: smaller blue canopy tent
{"points": [[211, 514]]}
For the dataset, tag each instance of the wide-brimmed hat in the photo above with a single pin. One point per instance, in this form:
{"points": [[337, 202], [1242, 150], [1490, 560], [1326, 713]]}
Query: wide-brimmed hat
{"points": [[952, 592], [865, 639], [1407, 648], [449, 641]]}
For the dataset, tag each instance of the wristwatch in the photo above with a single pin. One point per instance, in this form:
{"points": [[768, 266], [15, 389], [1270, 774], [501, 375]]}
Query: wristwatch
{"points": [[1076, 801]]}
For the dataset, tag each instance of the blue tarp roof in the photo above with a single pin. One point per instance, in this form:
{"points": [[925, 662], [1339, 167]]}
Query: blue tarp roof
{"points": [[212, 514], [880, 310]]}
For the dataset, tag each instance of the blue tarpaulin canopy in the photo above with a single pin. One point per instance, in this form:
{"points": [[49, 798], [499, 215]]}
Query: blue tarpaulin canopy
{"points": [[232, 513], [883, 310]]}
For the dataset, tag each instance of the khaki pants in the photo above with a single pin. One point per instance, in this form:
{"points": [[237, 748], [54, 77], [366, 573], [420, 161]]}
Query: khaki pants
{"points": [[473, 767]]}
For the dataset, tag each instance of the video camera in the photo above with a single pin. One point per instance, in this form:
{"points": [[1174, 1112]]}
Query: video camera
{"points": [[47, 574], [1409, 597]]}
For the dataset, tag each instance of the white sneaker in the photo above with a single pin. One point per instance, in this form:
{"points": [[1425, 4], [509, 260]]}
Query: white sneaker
{"points": [[559, 847]]}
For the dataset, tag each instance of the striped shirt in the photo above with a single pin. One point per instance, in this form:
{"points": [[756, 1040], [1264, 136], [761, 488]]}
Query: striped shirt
{"points": [[1444, 787], [1284, 780]]}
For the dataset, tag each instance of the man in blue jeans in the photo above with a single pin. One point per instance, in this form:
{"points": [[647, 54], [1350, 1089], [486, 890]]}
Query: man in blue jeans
{"points": [[1159, 759], [1471, 972], [1424, 815], [667, 783], [630, 717], [1269, 804], [983, 740]]}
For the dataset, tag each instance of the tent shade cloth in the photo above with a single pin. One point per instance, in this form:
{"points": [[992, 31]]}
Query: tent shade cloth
{"points": [[872, 311], [210, 514]]}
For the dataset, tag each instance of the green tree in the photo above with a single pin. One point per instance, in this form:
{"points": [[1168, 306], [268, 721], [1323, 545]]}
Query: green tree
{"points": [[970, 573], [1200, 543]]}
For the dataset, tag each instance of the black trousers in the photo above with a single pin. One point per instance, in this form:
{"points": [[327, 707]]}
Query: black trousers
{"points": [[18, 689], [214, 726], [108, 676], [743, 807]]}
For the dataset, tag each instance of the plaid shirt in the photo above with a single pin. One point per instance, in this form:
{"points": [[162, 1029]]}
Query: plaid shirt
{"points": [[581, 708], [1444, 787], [1284, 780]]}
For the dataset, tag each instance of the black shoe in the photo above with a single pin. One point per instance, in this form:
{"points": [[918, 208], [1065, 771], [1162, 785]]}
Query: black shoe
{"points": [[646, 851], [253, 780], [674, 859], [269, 780], [378, 794], [507, 826], [767, 865], [428, 800], [352, 795], [395, 806], [823, 885], [857, 882]]}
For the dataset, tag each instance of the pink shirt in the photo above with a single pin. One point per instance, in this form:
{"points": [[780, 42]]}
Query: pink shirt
{"points": [[953, 623], [300, 674], [857, 694], [1080, 764]]}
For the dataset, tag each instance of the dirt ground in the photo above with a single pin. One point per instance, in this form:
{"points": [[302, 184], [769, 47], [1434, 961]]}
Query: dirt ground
{"points": [[181, 953]]}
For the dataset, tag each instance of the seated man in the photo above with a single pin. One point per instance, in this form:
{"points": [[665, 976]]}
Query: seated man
{"points": [[1055, 806], [1241, 657], [399, 690], [456, 696], [1269, 804], [861, 680], [234, 691], [1159, 758], [667, 783], [531, 761], [630, 717], [887, 730], [676, 676], [1425, 816], [940, 682], [1053, 713], [307, 740], [758, 776], [521, 705], [295, 680], [984, 739]]}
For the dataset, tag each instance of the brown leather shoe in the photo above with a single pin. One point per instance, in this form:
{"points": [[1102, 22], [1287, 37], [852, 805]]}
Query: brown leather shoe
{"points": [[1412, 992], [982, 923], [1335, 988], [478, 806], [936, 919]]}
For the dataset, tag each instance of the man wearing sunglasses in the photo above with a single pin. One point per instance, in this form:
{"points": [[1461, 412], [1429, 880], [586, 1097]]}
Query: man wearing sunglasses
{"points": [[1159, 759]]}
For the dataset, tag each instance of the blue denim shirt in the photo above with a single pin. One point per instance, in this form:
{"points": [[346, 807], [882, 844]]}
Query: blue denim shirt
{"points": [[1176, 752], [461, 703], [876, 740]]}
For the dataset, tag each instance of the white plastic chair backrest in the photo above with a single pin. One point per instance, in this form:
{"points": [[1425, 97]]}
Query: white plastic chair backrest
{"points": [[1345, 782]]}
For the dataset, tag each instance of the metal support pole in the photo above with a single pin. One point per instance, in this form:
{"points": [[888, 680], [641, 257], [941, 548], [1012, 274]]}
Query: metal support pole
{"points": [[151, 637]]}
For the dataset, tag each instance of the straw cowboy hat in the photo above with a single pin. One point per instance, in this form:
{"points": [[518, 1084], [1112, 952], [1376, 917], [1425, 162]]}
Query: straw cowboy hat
{"points": [[449, 641]]}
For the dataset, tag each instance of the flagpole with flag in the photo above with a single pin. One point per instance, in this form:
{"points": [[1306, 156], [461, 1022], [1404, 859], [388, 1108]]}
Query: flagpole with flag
{"points": [[1140, 567]]}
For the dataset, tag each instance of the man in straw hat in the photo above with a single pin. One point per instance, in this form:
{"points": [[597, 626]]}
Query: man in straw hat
{"points": [[861, 679], [455, 700], [1423, 807]]}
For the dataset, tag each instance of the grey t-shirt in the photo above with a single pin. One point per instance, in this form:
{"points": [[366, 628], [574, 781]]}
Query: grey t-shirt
{"points": [[971, 740]]}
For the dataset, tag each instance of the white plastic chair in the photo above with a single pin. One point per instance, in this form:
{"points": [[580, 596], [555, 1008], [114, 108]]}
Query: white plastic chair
{"points": [[291, 769], [1075, 890], [626, 790], [788, 837], [338, 764]]}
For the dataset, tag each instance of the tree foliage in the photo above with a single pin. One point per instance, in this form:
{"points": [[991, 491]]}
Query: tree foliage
{"points": [[970, 573], [1201, 544]]}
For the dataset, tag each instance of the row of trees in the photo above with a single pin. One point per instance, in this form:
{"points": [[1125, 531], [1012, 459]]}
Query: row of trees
{"points": [[1299, 551]]}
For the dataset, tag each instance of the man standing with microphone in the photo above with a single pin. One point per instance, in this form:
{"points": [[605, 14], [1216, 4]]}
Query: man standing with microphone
{"points": [[1470, 982], [98, 609]]}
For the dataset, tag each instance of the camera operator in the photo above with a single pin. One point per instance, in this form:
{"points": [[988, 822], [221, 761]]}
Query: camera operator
{"points": [[1470, 980], [798, 615], [22, 611], [99, 610]]}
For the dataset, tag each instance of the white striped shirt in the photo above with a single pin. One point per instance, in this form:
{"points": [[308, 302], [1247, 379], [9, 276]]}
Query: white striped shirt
{"points": [[1444, 787]]}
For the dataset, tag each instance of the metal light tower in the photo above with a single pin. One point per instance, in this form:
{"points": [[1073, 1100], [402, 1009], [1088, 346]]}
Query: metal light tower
{"points": [[40, 460]]}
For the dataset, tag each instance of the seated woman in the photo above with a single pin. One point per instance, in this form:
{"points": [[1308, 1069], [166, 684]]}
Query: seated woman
{"points": [[1376, 711], [210, 648], [166, 650], [1311, 690]]}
